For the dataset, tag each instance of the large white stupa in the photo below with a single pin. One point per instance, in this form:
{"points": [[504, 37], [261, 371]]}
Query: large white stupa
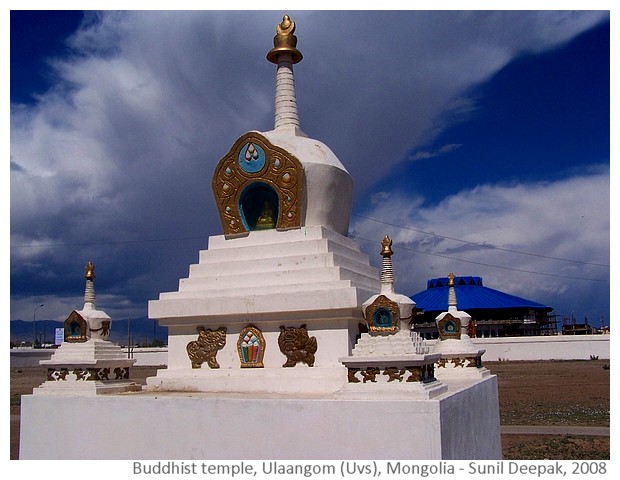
{"points": [[267, 352], [283, 272]]}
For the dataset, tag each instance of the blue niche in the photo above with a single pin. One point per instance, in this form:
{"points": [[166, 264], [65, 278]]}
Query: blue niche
{"points": [[258, 205], [251, 158], [382, 318], [75, 329], [449, 327]]}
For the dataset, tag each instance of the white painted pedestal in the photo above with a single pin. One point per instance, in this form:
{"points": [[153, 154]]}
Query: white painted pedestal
{"points": [[462, 423], [88, 368]]}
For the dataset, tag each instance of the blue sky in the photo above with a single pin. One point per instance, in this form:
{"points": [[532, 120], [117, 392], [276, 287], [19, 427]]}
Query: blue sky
{"points": [[479, 141]]}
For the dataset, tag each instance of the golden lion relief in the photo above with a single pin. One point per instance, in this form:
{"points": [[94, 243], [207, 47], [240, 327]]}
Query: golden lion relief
{"points": [[205, 348], [297, 346]]}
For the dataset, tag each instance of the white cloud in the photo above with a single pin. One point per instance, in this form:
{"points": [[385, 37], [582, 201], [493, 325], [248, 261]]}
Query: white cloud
{"points": [[567, 219], [426, 154], [123, 147]]}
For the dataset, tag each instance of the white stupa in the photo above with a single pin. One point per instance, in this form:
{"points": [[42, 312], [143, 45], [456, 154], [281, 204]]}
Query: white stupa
{"points": [[86, 363], [459, 355], [258, 329], [390, 359], [283, 276]]}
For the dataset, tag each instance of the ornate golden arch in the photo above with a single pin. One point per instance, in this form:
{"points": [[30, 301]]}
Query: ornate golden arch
{"points": [[387, 309], [449, 327], [252, 161], [76, 328]]}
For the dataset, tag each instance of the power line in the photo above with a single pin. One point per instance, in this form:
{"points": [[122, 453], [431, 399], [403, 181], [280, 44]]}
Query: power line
{"points": [[122, 242], [488, 264], [483, 245]]}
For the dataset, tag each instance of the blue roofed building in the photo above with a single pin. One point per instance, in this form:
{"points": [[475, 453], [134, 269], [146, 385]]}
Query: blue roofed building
{"points": [[494, 313]]}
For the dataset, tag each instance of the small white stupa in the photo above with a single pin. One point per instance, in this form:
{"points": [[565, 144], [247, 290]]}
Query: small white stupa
{"points": [[459, 355], [87, 363], [390, 359]]}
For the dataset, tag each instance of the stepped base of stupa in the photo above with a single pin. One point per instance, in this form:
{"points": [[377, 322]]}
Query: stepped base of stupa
{"points": [[94, 367], [309, 278]]}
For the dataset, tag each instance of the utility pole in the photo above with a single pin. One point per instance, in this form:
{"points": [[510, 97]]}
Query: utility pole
{"points": [[129, 352], [34, 319]]}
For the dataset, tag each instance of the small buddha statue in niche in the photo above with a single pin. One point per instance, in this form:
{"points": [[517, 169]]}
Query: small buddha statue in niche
{"points": [[265, 220]]}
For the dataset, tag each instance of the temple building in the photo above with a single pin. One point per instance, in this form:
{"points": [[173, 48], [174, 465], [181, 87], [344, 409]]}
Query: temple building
{"points": [[494, 313]]}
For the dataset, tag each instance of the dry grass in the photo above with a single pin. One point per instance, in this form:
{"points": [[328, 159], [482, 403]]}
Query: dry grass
{"points": [[554, 393], [554, 447]]}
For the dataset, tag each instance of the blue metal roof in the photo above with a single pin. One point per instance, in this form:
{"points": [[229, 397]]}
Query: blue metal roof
{"points": [[471, 294]]}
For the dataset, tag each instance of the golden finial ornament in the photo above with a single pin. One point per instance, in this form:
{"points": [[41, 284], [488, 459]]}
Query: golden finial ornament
{"points": [[285, 42], [451, 279], [90, 271], [386, 243]]}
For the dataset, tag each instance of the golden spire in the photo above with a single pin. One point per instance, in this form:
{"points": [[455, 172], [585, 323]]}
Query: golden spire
{"points": [[89, 292], [386, 251], [285, 42], [451, 292], [387, 272], [90, 271]]}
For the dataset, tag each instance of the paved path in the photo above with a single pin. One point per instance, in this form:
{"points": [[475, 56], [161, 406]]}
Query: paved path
{"points": [[554, 430]]}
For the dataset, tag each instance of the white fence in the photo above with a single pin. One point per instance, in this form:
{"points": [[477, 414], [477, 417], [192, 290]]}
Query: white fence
{"points": [[29, 357], [558, 347]]}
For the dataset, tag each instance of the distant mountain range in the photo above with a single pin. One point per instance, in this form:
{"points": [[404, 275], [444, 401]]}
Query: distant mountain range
{"points": [[142, 330]]}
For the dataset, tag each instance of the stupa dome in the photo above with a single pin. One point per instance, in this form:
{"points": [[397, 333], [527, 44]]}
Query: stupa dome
{"points": [[282, 179]]}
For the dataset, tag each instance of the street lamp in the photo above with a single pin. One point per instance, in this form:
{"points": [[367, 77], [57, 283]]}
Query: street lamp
{"points": [[34, 319]]}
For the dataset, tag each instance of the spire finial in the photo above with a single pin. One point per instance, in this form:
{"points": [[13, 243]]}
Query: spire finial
{"points": [[386, 243], [451, 292], [285, 42], [387, 272], [90, 271], [89, 293], [285, 54]]}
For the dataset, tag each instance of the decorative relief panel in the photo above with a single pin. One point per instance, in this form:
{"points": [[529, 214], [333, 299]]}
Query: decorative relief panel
{"points": [[76, 328], [258, 186], [205, 348], [87, 374], [251, 347], [449, 327], [297, 346], [422, 373], [467, 362], [383, 315], [104, 330], [394, 374]]}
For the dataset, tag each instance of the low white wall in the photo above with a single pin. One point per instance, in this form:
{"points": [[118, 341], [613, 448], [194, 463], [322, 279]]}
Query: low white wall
{"points": [[29, 357], [150, 357], [557, 347]]}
